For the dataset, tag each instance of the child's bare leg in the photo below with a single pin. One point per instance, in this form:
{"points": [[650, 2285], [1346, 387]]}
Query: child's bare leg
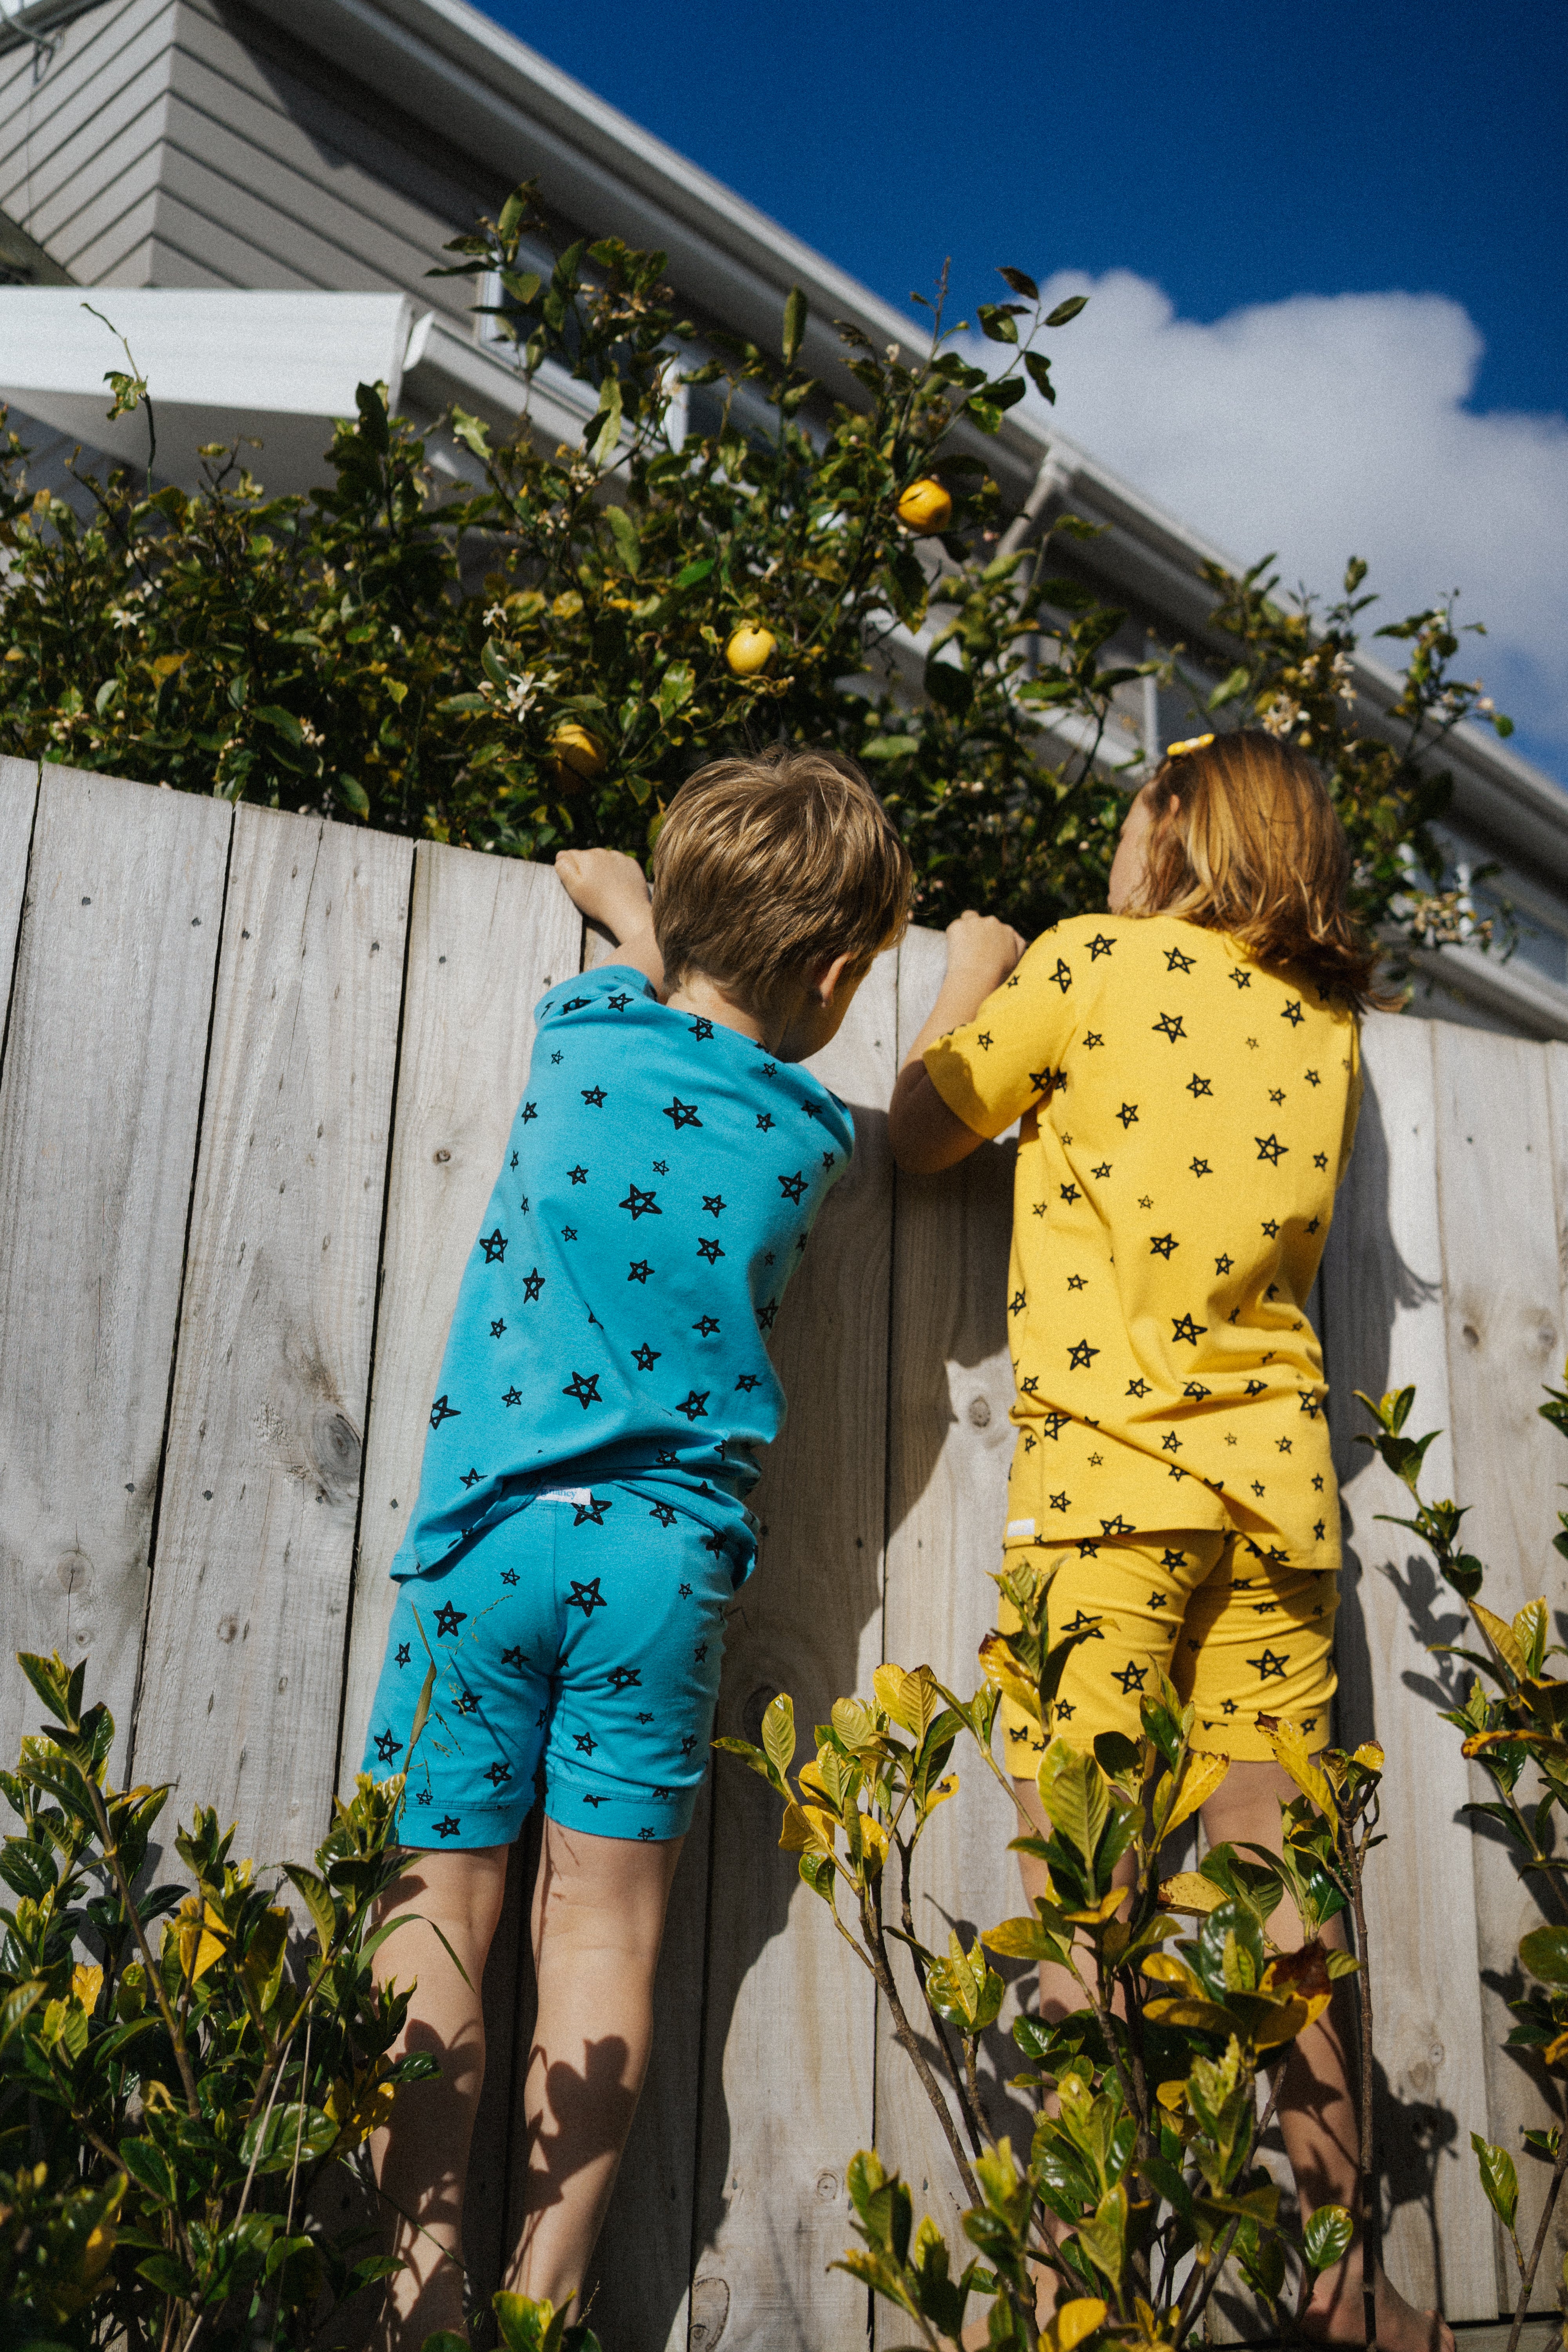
{"points": [[598, 1919], [1318, 2119], [422, 2157]]}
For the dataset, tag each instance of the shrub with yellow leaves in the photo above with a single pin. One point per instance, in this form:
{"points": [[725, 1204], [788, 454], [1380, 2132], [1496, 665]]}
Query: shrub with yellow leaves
{"points": [[1143, 2177], [167, 2106]]}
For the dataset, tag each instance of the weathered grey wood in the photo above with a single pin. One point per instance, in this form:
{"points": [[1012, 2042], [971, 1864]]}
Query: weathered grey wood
{"points": [[244, 1649], [1384, 1329], [1504, 1314], [18, 799], [98, 1142], [788, 2037], [487, 937], [949, 1449]]}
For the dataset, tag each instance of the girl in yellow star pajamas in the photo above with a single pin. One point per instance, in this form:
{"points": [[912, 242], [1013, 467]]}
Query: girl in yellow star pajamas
{"points": [[1186, 1072]]}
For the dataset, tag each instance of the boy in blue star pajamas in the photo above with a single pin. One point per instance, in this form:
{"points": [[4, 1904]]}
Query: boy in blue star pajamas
{"points": [[581, 1528]]}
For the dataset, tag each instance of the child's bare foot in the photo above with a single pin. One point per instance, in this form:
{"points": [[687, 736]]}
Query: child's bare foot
{"points": [[1334, 2314]]}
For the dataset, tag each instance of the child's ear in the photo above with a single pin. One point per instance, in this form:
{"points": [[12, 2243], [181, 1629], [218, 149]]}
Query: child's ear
{"points": [[824, 983]]}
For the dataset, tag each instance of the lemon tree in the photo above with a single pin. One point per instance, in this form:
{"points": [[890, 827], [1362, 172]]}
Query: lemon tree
{"points": [[733, 552]]}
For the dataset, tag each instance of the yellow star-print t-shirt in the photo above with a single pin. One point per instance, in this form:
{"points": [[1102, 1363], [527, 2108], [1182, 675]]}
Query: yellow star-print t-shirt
{"points": [[1186, 1117]]}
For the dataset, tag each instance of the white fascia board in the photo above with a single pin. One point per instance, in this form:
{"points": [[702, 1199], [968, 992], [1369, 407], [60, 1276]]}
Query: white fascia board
{"points": [[280, 366], [1508, 992]]}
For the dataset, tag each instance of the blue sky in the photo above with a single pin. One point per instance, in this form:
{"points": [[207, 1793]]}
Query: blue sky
{"points": [[1214, 169]]}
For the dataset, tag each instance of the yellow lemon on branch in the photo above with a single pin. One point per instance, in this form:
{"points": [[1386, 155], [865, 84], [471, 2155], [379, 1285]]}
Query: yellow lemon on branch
{"points": [[578, 754], [925, 506], [750, 649]]}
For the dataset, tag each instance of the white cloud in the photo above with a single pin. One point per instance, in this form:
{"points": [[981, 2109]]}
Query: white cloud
{"points": [[1326, 427]]}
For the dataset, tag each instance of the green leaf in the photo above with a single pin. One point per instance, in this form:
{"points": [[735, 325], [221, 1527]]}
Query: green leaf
{"points": [[1076, 1798], [602, 447], [795, 318], [317, 1897], [353, 794], [1229, 688], [1499, 2178], [1326, 2238], [1544, 1952], [675, 688], [997, 321], [145, 2161], [1021, 282], [1039, 369], [950, 687], [1066, 310], [628, 546], [778, 1732]]}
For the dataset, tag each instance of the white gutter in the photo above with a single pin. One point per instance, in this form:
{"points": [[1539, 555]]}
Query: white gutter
{"points": [[35, 20]]}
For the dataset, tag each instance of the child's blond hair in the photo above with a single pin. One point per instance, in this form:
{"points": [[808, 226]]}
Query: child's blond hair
{"points": [[767, 868], [1244, 838]]}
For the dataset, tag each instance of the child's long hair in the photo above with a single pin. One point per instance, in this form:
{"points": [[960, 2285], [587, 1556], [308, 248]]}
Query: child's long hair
{"points": [[1253, 847]]}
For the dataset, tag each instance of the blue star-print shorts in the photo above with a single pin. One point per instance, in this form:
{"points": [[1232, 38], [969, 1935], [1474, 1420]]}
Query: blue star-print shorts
{"points": [[576, 1647]]}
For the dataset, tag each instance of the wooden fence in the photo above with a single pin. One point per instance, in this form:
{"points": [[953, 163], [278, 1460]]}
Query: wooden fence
{"points": [[257, 1074]]}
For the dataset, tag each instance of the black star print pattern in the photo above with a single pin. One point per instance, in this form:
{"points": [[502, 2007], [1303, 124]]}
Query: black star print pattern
{"points": [[586, 1390], [641, 1203]]}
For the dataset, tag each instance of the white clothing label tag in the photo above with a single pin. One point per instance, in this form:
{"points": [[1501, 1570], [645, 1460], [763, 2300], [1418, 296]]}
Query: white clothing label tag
{"points": [[578, 1494], [1019, 1528]]}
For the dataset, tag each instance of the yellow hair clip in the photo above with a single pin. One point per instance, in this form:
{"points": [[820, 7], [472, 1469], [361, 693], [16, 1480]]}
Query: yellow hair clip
{"points": [[1193, 743]]}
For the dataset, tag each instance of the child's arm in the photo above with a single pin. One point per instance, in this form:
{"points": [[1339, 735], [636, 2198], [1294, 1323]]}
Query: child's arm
{"points": [[611, 888], [925, 1135]]}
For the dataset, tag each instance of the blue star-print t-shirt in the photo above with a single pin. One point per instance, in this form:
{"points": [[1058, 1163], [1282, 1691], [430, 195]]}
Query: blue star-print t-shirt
{"points": [[661, 1177]]}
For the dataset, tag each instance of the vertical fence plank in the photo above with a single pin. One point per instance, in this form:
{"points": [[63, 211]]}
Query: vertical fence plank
{"points": [[98, 1136], [488, 935], [789, 2022], [949, 1449], [18, 798], [1497, 1199], [1384, 1328], [244, 1668]]}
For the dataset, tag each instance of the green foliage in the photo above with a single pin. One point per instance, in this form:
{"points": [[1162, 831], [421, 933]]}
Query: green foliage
{"points": [[1515, 1727], [338, 651], [1145, 2176], [1297, 678], [167, 2106]]}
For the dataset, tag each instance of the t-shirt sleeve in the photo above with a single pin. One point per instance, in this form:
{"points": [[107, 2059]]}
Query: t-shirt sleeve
{"points": [[612, 981], [999, 1064]]}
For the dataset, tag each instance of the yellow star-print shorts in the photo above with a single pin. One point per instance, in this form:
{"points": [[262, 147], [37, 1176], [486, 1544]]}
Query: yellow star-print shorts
{"points": [[1239, 1634]]}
